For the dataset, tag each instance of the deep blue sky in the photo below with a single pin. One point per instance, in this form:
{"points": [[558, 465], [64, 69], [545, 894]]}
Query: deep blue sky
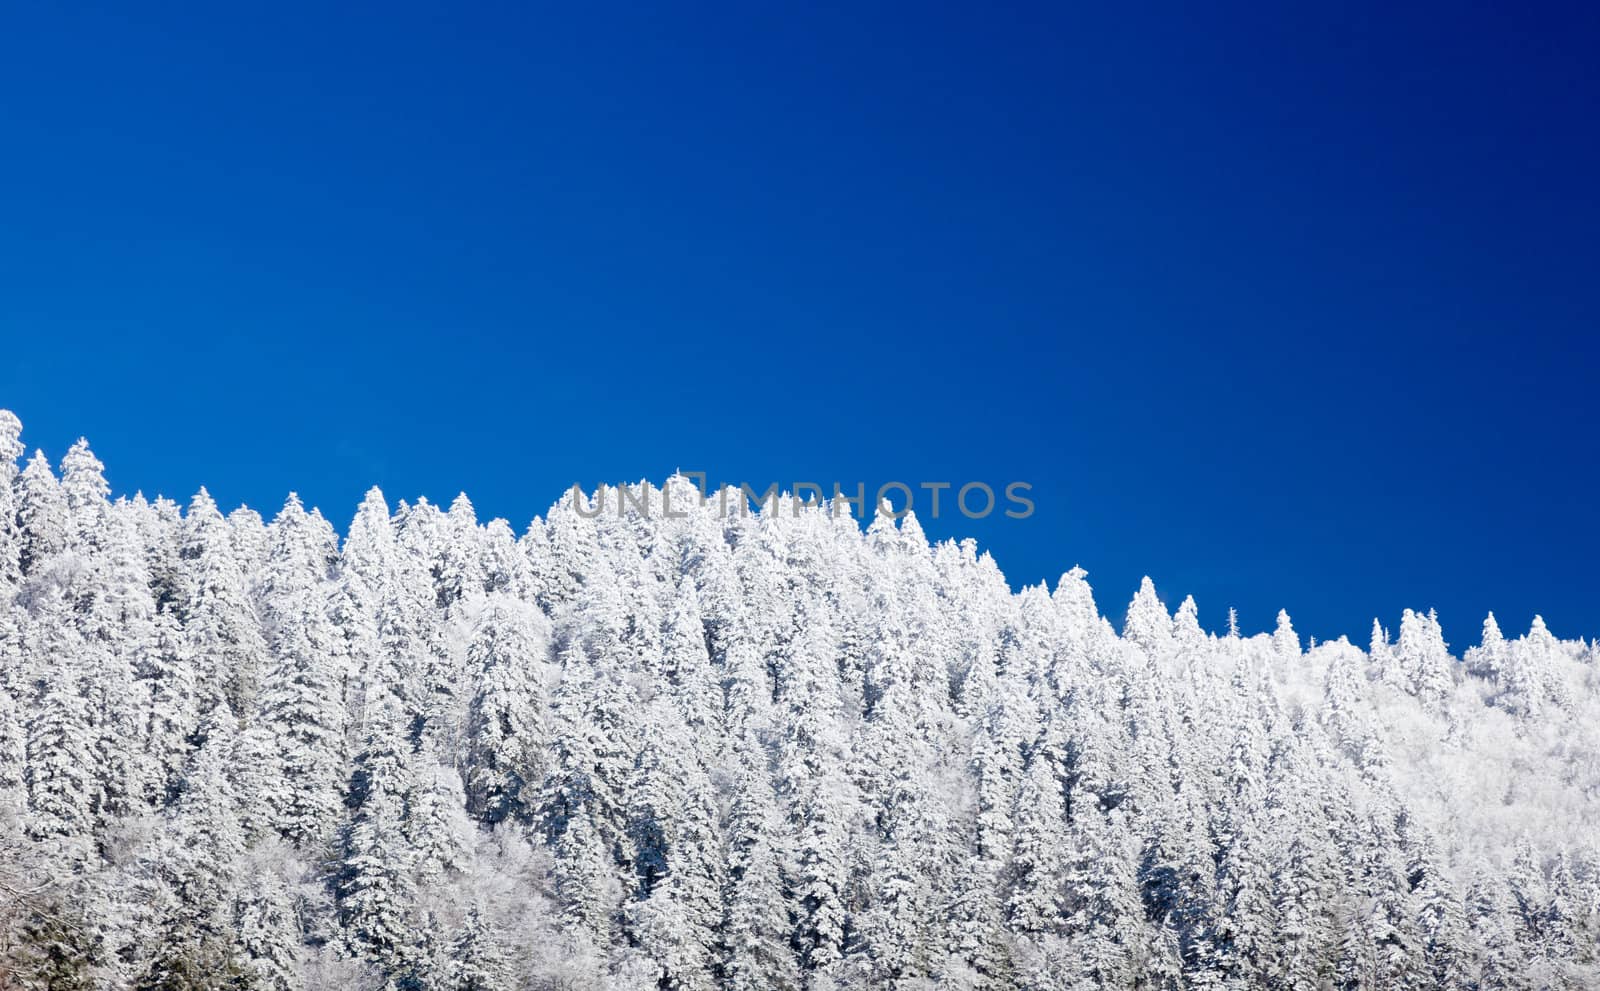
{"points": [[1291, 305]]}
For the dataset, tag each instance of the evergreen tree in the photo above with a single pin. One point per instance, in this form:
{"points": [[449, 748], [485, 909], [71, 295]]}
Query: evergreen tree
{"points": [[1036, 901], [678, 857], [83, 484], [207, 844], [756, 922], [1186, 626], [476, 960], [1488, 658], [1443, 921], [1284, 639], [42, 516], [586, 881], [1148, 624], [10, 535], [167, 680], [61, 740], [377, 890], [1422, 654], [506, 722], [1102, 903], [301, 693], [221, 621]]}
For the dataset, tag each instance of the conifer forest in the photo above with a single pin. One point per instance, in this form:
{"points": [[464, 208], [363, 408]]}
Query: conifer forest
{"points": [[617, 748]]}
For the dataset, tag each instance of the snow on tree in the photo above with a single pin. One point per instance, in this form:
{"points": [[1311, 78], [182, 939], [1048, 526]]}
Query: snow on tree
{"points": [[167, 681], [437, 823], [300, 697], [268, 903], [633, 749], [1284, 639], [10, 535], [43, 518], [686, 665], [1104, 917], [83, 483], [507, 728], [820, 810], [678, 855], [13, 759], [230, 649], [206, 838], [1036, 901], [1443, 919], [1422, 654], [755, 929], [1147, 623], [1488, 658], [477, 961], [1186, 629], [586, 880], [61, 737], [376, 886]]}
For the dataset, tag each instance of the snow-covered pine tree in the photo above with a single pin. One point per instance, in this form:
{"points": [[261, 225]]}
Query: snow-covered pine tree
{"points": [[229, 646], [63, 787], [43, 519], [755, 928], [11, 449], [679, 855], [376, 885], [477, 961], [301, 698], [507, 725], [1284, 639]]}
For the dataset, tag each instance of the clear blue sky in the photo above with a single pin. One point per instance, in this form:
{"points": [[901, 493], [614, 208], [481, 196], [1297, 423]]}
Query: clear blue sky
{"points": [[1285, 305]]}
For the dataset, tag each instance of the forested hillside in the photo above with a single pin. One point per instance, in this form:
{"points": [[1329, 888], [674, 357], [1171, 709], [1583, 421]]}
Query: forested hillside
{"points": [[762, 752]]}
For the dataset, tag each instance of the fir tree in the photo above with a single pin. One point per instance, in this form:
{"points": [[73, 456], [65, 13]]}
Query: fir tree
{"points": [[42, 515]]}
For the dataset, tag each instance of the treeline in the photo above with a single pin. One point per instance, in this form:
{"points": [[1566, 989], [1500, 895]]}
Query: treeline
{"points": [[764, 753]]}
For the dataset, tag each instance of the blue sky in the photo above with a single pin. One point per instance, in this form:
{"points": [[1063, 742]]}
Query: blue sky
{"points": [[1284, 305]]}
